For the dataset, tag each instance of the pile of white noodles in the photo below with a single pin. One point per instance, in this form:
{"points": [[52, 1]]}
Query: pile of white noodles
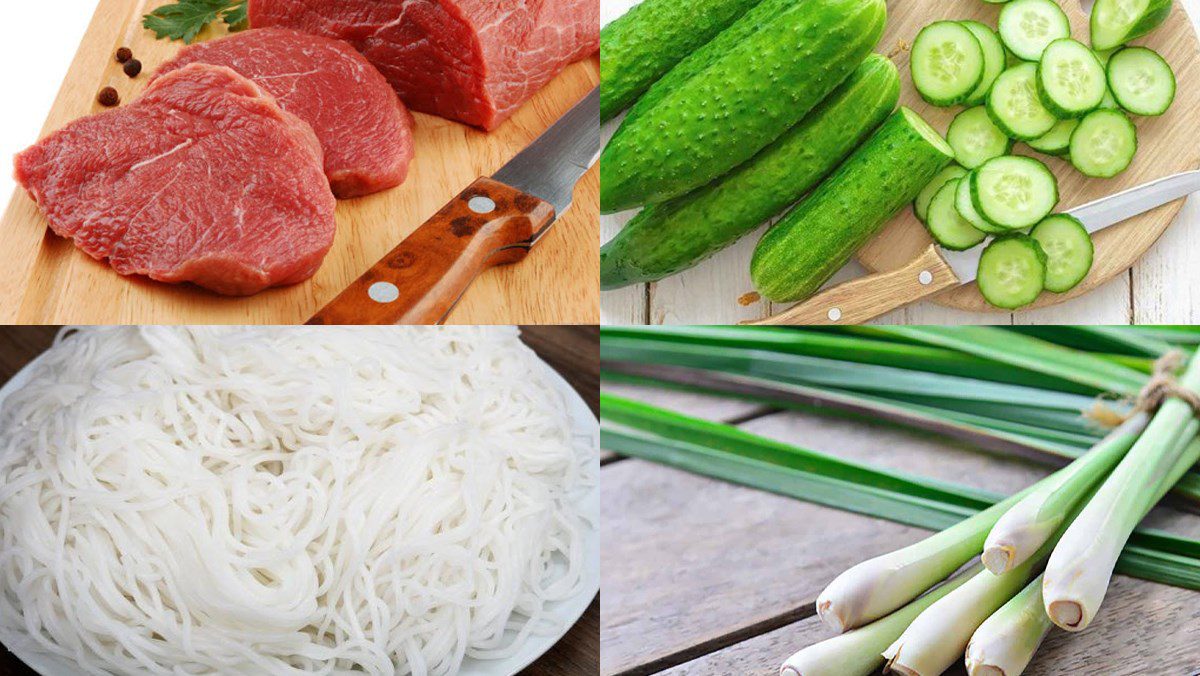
{"points": [[287, 500]]}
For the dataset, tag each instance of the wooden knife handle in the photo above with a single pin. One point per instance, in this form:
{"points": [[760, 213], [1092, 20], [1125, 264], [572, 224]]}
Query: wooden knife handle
{"points": [[865, 298], [421, 280]]}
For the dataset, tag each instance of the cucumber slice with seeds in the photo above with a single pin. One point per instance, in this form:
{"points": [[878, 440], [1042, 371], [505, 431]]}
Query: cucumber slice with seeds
{"points": [[1014, 192], [921, 204], [1057, 141], [947, 227], [1103, 144], [1141, 81], [946, 63], [1069, 251], [1071, 81], [1115, 22], [975, 138], [1028, 26], [1012, 271], [1015, 106], [995, 60], [966, 208]]}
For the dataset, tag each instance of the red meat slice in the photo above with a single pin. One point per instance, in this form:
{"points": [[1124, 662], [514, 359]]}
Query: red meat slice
{"points": [[471, 60], [364, 129], [203, 179]]}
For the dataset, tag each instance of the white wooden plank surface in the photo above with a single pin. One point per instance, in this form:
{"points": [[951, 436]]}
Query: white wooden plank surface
{"points": [[1162, 288]]}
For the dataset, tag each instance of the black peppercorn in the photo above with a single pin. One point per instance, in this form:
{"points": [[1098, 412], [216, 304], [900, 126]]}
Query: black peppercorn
{"points": [[133, 67], [108, 97], [124, 54]]}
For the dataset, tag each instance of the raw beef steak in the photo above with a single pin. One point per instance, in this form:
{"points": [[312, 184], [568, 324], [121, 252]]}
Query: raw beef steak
{"points": [[364, 129], [203, 179], [471, 60]]}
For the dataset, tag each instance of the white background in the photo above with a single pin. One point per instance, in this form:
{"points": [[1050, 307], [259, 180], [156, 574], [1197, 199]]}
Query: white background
{"points": [[1162, 288]]}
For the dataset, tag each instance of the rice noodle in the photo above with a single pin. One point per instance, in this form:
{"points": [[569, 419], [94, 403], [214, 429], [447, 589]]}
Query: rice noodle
{"points": [[287, 500]]}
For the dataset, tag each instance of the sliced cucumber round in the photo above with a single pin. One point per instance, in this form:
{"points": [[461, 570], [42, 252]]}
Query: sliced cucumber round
{"points": [[1015, 106], [1012, 271], [921, 204], [965, 206], [1028, 26], [1141, 81], [1069, 251], [1014, 192], [1057, 141], [947, 227], [1115, 22], [946, 63], [975, 138], [995, 60], [1071, 80], [1103, 144]]}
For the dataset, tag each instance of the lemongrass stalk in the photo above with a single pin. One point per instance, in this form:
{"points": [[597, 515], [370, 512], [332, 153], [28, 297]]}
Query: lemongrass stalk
{"points": [[858, 652], [1081, 566], [1022, 530], [878, 586], [1077, 577], [1005, 643]]}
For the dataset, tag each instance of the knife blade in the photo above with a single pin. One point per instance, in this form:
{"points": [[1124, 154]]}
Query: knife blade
{"points": [[1097, 215], [495, 221]]}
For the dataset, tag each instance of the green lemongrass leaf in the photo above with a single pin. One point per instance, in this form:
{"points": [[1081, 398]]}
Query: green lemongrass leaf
{"points": [[835, 373], [848, 347], [1074, 422], [913, 508], [1026, 352], [1179, 336], [1098, 339], [1045, 446]]}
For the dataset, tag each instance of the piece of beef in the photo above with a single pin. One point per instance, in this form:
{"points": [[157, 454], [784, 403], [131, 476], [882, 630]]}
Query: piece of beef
{"points": [[203, 179], [471, 60], [364, 129]]}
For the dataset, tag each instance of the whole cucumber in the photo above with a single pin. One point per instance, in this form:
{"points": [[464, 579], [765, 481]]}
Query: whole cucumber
{"points": [[665, 239], [803, 250], [641, 46], [737, 95]]}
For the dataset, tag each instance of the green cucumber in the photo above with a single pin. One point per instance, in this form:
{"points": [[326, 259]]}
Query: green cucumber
{"points": [[735, 96], [1103, 144], [1071, 80], [667, 238], [975, 138], [641, 46], [1057, 141], [995, 60], [965, 205], [1014, 192], [921, 203], [1141, 81], [1028, 26], [947, 227], [810, 243], [1015, 106], [1012, 271], [1115, 22], [1068, 248], [947, 63]]}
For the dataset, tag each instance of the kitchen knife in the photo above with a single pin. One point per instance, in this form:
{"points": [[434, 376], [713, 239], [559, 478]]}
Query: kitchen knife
{"points": [[934, 270], [495, 221]]}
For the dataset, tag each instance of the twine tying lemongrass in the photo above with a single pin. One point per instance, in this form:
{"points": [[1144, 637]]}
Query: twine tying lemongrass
{"points": [[1162, 385]]}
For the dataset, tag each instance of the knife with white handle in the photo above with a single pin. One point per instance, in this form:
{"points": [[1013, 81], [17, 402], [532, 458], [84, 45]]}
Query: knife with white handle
{"points": [[935, 270]]}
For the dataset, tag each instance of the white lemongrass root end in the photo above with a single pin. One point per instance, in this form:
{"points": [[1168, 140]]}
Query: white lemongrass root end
{"points": [[984, 670], [998, 559], [1067, 615], [828, 615], [787, 670]]}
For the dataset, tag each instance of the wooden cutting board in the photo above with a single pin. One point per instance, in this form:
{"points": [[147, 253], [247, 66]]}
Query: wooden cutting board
{"points": [[1166, 145], [48, 281]]}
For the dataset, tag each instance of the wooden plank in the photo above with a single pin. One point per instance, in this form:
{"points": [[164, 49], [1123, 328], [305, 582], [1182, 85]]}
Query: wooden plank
{"points": [[1127, 639], [1166, 281], [675, 591], [48, 281]]}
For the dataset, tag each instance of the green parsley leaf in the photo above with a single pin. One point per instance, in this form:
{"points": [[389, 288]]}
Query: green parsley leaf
{"points": [[184, 19]]}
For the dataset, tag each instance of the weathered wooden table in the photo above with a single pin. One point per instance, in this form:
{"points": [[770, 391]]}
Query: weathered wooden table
{"points": [[572, 351], [705, 577]]}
